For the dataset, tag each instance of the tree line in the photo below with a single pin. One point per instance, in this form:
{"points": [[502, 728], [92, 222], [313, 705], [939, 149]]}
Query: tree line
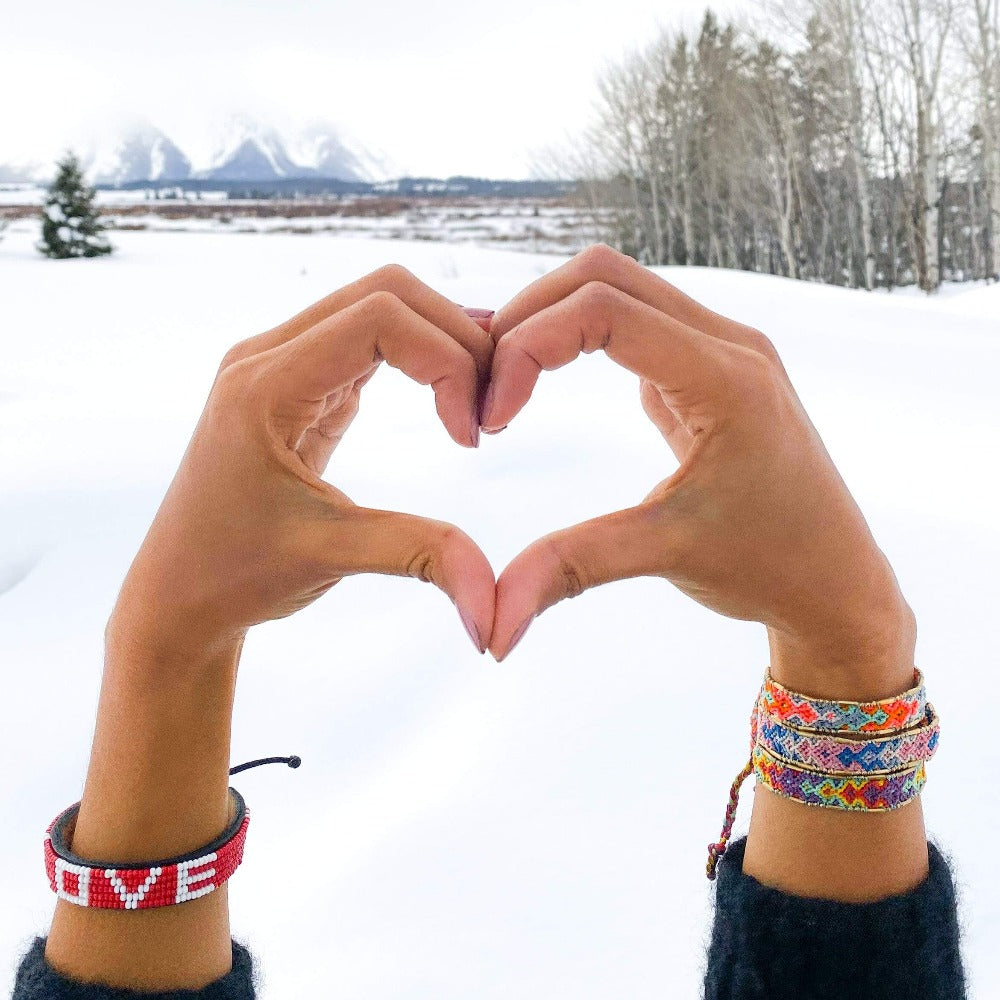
{"points": [[855, 142]]}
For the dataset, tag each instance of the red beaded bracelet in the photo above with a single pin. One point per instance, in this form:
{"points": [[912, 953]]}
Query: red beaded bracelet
{"points": [[112, 886]]}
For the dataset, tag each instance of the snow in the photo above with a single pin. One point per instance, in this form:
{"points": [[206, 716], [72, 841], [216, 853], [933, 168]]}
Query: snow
{"points": [[527, 830], [157, 159]]}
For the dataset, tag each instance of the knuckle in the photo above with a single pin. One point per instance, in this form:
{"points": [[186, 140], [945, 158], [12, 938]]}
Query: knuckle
{"points": [[381, 304], [571, 576], [597, 301], [230, 380], [235, 354], [393, 278], [425, 563], [600, 260], [763, 345], [245, 379], [754, 377], [596, 295], [238, 395], [421, 566]]}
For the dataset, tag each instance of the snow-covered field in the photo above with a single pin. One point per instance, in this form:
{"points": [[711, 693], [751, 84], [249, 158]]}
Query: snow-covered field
{"points": [[535, 225], [516, 224], [530, 830]]}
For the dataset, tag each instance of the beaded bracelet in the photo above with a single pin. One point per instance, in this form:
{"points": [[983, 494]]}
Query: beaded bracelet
{"points": [[798, 750], [147, 884], [144, 885]]}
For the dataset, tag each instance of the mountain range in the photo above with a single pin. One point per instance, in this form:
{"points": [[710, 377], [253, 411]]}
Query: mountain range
{"points": [[245, 150]]}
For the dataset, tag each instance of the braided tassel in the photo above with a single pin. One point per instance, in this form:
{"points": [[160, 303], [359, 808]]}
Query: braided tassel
{"points": [[715, 851]]}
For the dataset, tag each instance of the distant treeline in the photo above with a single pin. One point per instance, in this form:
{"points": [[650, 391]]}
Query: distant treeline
{"points": [[862, 149], [311, 187]]}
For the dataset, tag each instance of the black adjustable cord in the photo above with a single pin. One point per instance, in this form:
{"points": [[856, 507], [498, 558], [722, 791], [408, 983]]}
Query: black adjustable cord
{"points": [[292, 761]]}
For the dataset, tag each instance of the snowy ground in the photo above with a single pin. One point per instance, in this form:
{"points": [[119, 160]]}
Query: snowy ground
{"points": [[530, 830], [517, 224]]}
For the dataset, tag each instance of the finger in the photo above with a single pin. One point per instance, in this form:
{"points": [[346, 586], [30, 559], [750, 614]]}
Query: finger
{"points": [[380, 541], [483, 317], [396, 279], [343, 348], [568, 562], [601, 263], [666, 421], [685, 364]]}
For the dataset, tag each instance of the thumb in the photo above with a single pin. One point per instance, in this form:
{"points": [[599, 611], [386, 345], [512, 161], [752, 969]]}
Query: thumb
{"points": [[437, 552], [628, 543]]}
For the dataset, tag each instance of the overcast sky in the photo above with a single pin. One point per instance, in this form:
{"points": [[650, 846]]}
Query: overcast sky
{"points": [[442, 86]]}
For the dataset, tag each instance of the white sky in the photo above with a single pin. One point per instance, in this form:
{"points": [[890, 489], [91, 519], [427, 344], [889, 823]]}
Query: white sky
{"points": [[442, 86]]}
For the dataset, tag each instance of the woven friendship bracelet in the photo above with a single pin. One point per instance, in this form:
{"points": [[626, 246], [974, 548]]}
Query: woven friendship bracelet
{"points": [[144, 885], [824, 752], [811, 750], [889, 715], [870, 793]]}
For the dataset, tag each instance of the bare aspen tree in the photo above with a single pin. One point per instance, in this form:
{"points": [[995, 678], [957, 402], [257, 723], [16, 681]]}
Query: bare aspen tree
{"points": [[925, 28], [847, 141], [846, 16], [983, 46]]}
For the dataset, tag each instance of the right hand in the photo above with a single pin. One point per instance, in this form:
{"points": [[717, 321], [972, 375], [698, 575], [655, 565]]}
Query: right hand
{"points": [[250, 531], [756, 523]]}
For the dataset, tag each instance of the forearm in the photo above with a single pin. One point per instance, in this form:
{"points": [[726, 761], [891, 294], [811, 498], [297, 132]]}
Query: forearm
{"points": [[831, 853], [156, 788]]}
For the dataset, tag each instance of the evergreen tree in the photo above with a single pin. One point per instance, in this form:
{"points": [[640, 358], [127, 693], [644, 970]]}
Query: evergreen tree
{"points": [[70, 224]]}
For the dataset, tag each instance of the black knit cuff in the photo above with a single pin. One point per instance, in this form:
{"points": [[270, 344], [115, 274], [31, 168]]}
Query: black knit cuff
{"points": [[767, 944], [37, 980]]}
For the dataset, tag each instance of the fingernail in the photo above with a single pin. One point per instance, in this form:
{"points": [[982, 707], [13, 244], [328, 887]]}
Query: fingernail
{"points": [[479, 313], [497, 431], [470, 627], [517, 637], [475, 432], [487, 406]]}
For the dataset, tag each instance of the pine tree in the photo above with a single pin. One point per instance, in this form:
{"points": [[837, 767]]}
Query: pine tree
{"points": [[70, 224]]}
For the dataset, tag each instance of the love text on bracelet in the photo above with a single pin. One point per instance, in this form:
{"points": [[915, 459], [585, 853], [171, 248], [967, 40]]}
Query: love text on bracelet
{"points": [[142, 885], [866, 756]]}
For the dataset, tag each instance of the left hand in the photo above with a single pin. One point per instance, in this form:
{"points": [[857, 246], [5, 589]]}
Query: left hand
{"points": [[756, 523]]}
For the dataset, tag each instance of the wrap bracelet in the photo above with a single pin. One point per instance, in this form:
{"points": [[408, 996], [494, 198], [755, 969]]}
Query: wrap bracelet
{"points": [[144, 885], [867, 756]]}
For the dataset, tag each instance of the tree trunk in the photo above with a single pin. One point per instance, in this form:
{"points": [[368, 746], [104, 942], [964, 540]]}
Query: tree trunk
{"points": [[927, 207]]}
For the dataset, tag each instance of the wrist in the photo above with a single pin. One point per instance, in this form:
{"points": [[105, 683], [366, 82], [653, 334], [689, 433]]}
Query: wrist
{"points": [[180, 645], [866, 658]]}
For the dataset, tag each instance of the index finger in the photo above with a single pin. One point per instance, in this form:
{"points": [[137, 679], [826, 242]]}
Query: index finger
{"points": [[395, 279], [343, 348], [601, 263], [689, 367]]}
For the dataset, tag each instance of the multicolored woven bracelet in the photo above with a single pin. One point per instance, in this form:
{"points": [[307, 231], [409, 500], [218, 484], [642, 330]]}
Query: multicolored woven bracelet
{"points": [[812, 750], [870, 793], [145, 885], [889, 715], [830, 754]]}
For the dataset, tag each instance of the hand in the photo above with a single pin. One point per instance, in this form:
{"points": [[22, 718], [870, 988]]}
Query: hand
{"points": [[756, 523], [249, 531]]}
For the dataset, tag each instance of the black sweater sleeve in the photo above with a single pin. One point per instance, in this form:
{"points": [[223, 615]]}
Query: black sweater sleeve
{"points": [[767, 944], [37, 980]]}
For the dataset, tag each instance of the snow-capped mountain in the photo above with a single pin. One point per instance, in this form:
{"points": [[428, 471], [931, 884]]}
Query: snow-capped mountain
{"points": [[244, 150], [329, 152], [250, 151], [142, 154], [25, 173]]}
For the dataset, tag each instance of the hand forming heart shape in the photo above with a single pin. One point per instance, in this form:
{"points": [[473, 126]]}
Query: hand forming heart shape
{"points": [[756, 522]]}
